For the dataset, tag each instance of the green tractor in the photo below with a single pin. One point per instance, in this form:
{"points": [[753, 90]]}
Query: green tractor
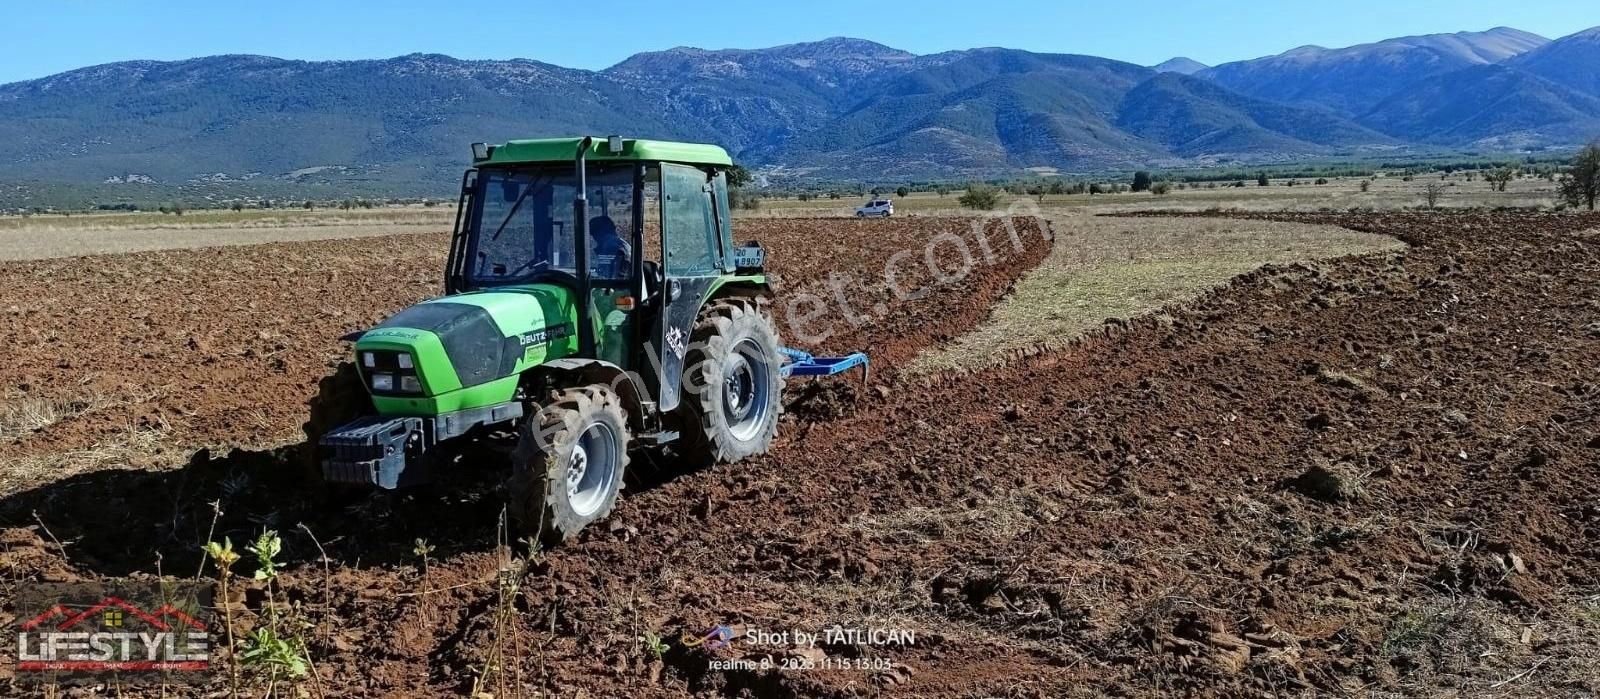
{"points": [[595, 305]]}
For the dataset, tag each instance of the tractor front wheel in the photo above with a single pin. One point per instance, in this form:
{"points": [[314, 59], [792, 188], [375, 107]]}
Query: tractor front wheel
{"points": [[732, 385], [567, 468]]}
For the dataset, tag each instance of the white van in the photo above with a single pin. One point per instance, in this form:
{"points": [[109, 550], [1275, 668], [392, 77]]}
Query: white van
{"points": [[876, 207]]}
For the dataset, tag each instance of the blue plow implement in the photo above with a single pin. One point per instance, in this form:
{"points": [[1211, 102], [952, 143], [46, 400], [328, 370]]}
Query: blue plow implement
{"points": [[798, 363]]}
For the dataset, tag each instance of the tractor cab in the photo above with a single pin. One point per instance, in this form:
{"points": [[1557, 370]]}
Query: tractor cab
{"points": [[594, 305], [658, 240]]}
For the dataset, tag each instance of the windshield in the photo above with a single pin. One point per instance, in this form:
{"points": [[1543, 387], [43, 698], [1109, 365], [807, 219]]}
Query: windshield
{"points": [[524, 224]]}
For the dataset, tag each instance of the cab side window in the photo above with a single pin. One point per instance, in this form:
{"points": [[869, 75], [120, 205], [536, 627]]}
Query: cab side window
{"points": [[688, 221]]}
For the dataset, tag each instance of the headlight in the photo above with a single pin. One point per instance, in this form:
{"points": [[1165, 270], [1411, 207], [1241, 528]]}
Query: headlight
{"points": [[369, 360], [410, 384], [405, 360], [383, 382]]}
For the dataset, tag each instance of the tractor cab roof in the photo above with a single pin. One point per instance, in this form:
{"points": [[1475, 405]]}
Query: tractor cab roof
{"points": [[551, 150]]}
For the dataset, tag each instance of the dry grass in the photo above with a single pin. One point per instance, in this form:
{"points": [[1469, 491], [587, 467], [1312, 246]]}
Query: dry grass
{"points": [[1104, 268], [24, 415], [225, 218], [59, 235], [998, 520], [134, 446], [30, 244], [1338, 194]]}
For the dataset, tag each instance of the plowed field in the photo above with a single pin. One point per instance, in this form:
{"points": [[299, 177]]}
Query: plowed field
{"points": [[1372, 474]]}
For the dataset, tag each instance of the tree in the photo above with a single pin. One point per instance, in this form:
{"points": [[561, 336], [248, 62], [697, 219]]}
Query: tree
{"points": [[1366, 185], [1038, 191], [941, 190], [1431, 194], [738, 176], [1141, 181], [1261, 180], [1499, 178], [981, 197], [902, 192], [310, 205], [1580, 185], [1058, 187]]}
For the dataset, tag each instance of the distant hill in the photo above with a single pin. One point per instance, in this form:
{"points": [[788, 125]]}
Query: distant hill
{"points": [[251, 116], [985, 109], [1488, 107], [1196, 118], [1352, 80], [1573, 61], [836, 108], [1180, 65]]}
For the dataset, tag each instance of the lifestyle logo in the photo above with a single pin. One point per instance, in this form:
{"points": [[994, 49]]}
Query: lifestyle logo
{"points": [[80, 634]]}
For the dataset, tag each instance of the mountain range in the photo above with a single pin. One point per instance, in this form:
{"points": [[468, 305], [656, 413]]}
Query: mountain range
{"points": [[837, 108]]}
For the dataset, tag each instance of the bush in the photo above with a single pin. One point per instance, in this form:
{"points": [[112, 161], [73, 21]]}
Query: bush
{"points": [[981, 197], [902, 192], [1160, 188]]}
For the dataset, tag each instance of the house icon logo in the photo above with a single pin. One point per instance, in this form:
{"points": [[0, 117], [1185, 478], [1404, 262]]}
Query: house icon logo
{"points": [[77, 634]]}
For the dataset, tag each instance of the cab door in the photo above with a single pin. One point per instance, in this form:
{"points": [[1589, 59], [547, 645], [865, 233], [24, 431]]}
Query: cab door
{"points": [[692, 254]]}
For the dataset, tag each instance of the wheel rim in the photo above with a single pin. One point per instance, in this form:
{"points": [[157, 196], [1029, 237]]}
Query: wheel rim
{"points": [[592, 470], [746, 389]]}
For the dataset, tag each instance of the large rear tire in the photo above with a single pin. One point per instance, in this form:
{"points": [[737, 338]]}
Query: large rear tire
{"points": [[568, 466], [732, 387]]}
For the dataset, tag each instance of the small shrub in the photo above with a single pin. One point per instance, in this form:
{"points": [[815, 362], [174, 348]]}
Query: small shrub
{"points": [[981, 197]]}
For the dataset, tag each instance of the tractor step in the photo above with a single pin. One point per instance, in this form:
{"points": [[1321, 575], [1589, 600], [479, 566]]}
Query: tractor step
{"points": [[798, 363]]}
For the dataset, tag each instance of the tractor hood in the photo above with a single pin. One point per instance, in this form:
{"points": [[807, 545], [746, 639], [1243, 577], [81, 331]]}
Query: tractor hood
{"points": [[467, 340]]}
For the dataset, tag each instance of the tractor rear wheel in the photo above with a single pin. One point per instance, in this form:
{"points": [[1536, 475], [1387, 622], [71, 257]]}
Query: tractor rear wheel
{"points": [[567, 468], [732, 387]]}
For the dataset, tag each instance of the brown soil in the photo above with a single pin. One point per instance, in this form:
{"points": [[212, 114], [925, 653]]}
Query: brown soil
{"points": [[1352, 476]]}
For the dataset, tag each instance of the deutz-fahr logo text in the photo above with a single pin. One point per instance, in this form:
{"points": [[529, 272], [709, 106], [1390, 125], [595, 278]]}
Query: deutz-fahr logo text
{"points": [[550, 333], [81, 630]]}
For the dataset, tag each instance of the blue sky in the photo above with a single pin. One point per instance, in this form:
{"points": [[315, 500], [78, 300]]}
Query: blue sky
{"points": [[50, 36]]}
